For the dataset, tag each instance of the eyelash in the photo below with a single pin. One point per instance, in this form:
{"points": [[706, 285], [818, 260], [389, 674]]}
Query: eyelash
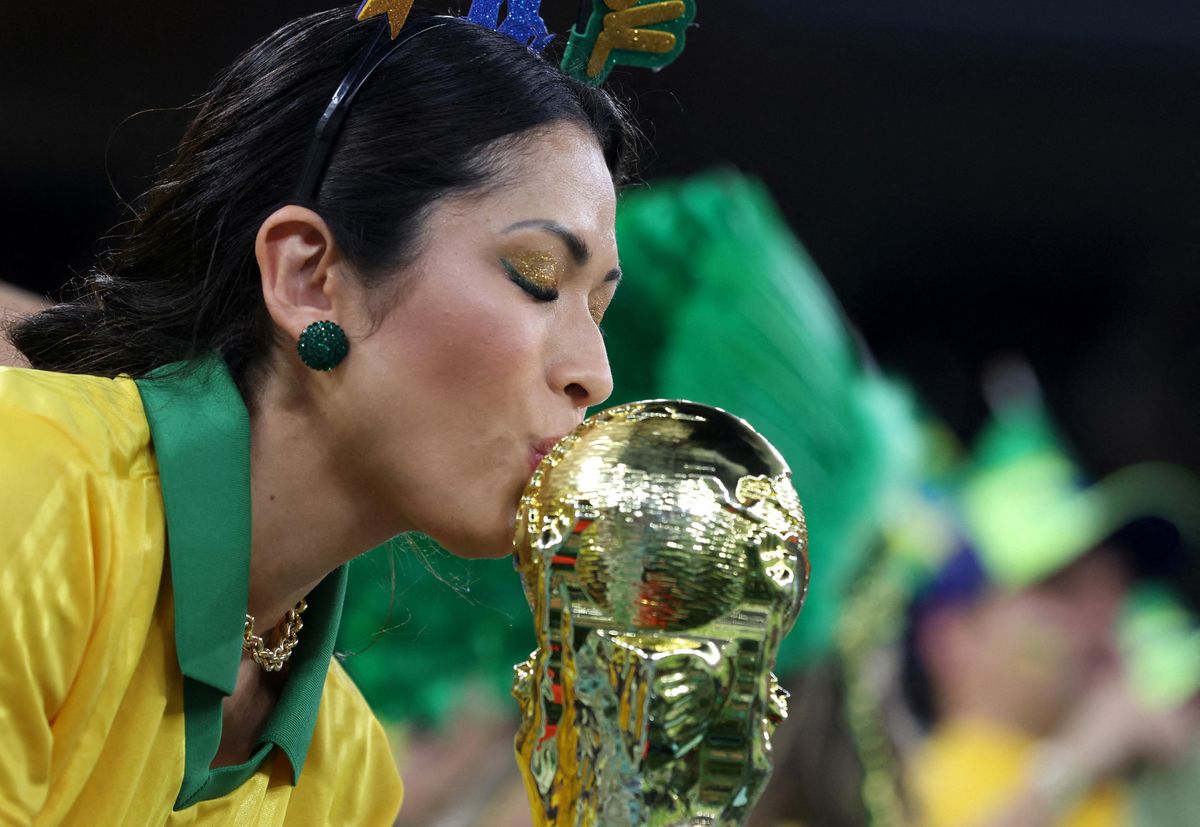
{"points": [[540, 293]]}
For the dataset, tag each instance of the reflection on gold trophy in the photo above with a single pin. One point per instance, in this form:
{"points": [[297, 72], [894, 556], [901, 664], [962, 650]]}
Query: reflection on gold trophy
{"points": [[663, 552]]}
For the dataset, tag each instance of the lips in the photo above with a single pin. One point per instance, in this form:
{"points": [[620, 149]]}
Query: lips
{"points": [[540, 449]]}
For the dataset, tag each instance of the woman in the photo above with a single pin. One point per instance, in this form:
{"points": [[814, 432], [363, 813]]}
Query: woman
{"points": [[177, 480]]}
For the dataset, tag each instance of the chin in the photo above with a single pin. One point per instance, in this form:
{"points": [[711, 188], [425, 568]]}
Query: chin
{"points": [[472, 523], [483, 542]]}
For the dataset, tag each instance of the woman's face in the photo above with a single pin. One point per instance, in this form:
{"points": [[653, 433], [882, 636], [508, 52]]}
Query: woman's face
{"points": [[493, 350]]}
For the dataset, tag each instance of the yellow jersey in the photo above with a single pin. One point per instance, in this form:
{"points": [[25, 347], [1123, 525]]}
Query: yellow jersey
{"points": [[124, 563], [969, 769]]}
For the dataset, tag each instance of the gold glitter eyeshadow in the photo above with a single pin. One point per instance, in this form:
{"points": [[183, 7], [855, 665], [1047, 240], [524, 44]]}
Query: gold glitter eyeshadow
{"points": [[596, 306], [541, 269]]}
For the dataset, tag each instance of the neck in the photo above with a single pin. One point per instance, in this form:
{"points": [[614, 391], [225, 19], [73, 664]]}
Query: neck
{"points": [[309, 514]]}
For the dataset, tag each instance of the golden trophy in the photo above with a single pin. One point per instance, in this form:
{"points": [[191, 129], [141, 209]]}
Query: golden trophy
{"points": [[663, 553]]}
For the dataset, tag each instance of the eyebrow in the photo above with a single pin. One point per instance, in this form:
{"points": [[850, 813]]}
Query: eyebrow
{"points": [[578, 248], [575, 245]]}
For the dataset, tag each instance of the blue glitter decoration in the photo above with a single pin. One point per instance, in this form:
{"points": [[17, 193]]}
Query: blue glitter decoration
{"points": [[522, 21]]}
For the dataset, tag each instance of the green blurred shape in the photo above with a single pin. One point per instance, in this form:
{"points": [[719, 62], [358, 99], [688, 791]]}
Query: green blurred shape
{"points": [[422, 629], [722, 305], [1029, 512], [1160, 642]]}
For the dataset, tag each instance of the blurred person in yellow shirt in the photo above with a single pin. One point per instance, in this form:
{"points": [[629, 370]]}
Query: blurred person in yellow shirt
{"points": [[1027, 653]]}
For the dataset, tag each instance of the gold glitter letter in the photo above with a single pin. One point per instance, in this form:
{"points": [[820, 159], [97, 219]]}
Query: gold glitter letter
{"points": [[621, 30]]}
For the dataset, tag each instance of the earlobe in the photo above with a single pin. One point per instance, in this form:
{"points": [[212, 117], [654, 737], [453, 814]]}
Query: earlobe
{"points": [[297, 257]]}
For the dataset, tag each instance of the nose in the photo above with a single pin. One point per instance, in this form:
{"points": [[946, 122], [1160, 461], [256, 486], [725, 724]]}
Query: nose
{"points": [[578, 362]]}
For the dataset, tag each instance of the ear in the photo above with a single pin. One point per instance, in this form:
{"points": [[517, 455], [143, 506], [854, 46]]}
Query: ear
{"points": [[300, 265]]}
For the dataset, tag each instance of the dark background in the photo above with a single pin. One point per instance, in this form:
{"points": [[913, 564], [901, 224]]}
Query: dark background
{"points": [[976, 179]]}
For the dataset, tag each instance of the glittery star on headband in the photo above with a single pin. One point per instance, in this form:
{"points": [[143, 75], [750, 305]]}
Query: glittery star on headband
{"points": [[396, 11], [522, 21]]}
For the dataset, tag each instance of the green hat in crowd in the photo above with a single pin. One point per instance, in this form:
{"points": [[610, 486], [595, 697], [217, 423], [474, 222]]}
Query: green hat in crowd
{"points": [[1029, 511]]}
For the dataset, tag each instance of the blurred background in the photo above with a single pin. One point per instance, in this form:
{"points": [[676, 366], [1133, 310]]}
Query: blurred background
{"points": [[974, 181]]}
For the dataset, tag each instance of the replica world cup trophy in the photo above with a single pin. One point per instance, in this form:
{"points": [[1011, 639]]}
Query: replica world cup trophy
{"points": [[663, 552]]}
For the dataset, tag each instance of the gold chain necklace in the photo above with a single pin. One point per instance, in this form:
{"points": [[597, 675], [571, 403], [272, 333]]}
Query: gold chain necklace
{"points": [[273, 659]]}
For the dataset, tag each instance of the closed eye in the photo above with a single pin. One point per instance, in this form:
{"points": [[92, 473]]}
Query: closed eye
{"points": [[539, 292]]}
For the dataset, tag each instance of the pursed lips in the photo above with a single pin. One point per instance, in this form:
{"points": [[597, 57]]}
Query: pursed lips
{"points": [[540, 449]]}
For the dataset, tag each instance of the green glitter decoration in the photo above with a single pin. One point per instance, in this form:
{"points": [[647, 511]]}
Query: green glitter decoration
{"points": [[323, 345]]}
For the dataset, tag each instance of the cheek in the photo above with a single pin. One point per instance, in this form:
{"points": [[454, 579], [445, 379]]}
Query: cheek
{"points": [[477, 351], [468, 332], [1037, 641], [468, 386]]}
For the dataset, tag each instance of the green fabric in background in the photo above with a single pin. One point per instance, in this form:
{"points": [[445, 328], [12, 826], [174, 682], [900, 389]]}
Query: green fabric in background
{"points": [[444, 629], [722, 305]]}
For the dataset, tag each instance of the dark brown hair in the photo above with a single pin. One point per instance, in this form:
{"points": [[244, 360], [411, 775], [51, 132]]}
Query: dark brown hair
{"points": [[430, 122]]}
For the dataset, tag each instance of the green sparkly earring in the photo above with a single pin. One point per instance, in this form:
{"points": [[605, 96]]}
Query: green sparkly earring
{"points": [[323, 345]]}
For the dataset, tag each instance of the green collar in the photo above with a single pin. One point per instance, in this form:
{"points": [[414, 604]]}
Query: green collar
{"points": [[201, 434]]}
